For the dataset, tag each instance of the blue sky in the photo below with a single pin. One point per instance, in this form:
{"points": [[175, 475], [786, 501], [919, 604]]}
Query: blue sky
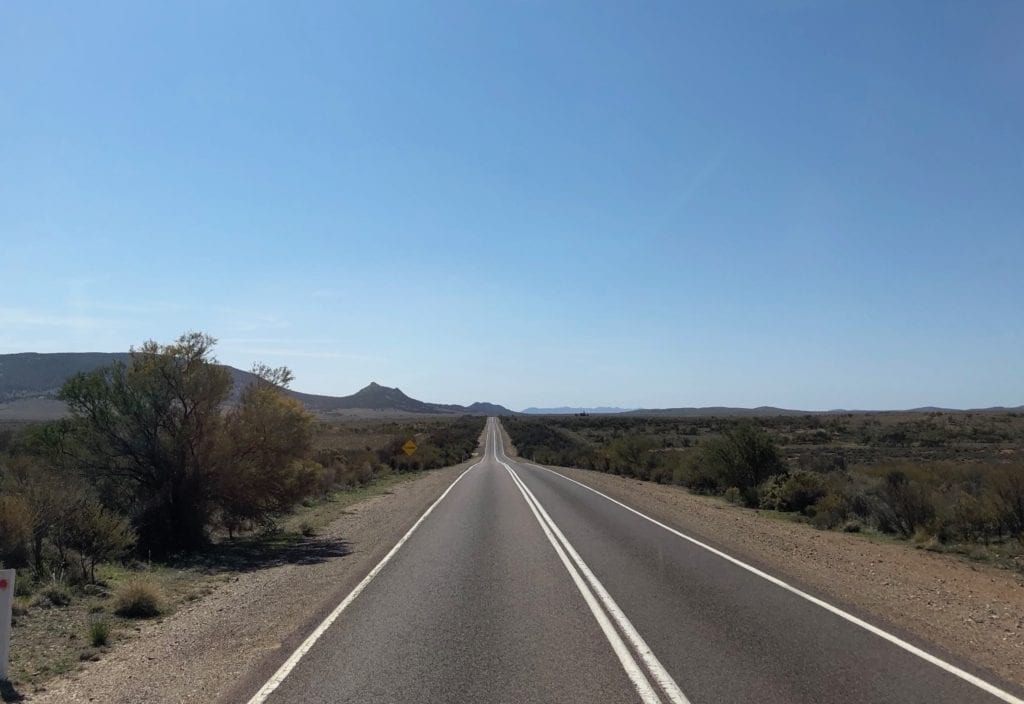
{"points": [[803, 204]]}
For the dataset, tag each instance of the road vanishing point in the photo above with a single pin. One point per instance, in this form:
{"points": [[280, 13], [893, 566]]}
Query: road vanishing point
{"points": [[521, 585]]}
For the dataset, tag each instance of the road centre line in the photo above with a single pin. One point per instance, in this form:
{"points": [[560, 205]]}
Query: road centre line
{"points": [[626, 659], [895, 640], [566, 552]]}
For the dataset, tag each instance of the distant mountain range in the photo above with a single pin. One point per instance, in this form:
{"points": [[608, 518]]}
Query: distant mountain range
{"points": [[765, 411], [29, 383], [570, 410]]}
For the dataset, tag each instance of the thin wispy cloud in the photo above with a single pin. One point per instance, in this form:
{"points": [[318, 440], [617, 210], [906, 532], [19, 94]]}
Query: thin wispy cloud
{"points": [[312, 354], [29, 318], [140, 308], [306, 348], [327, 294]]}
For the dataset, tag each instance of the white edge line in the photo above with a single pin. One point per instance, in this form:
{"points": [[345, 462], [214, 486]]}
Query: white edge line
{"points": [[629, 663], [895, 640], [282, 672]]}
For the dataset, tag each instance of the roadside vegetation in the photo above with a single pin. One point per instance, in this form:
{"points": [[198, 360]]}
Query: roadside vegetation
{"points": [[165, 480], [949, 482]]}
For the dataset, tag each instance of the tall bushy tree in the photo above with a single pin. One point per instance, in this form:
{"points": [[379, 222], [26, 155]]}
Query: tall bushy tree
{"points": [[147, 434], [156, 441]]}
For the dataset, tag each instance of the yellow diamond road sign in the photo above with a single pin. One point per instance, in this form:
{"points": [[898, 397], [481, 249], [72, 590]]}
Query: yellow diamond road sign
{"points": [[409, 447]]}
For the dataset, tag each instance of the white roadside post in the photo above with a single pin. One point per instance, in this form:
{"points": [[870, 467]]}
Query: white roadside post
{"points": [[6, 602]]}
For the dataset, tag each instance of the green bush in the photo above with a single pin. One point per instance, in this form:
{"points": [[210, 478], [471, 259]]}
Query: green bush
{"points": [[742, 457], [796, 491], [630, 455], [138, 598]]}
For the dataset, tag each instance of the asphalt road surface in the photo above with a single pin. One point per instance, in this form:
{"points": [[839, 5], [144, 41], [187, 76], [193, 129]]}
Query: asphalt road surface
{"points": [[520, 585]]}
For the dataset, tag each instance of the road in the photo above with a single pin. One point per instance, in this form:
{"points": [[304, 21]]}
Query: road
{"points": [[520, 585]]}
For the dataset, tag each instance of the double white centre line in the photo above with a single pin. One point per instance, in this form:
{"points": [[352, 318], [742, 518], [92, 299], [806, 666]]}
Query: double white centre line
{"points": [[601, 604]]}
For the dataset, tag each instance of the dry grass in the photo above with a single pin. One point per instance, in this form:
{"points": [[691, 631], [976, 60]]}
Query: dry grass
{"points": [[139, 598]]}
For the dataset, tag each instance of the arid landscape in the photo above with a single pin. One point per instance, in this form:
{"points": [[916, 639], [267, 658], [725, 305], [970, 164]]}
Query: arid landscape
{"points": [[936, 552], [511, 352]]}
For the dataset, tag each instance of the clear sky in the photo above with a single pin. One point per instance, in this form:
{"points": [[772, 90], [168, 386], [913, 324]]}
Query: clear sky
{"points": [[803, 204]]}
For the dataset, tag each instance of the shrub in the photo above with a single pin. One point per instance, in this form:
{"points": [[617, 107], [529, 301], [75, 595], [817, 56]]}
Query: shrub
{"points": [[22, 604], [56, 594], [1008, 494], [697, 477], [796, 491], [630, 455], [743, 457], [733, 495], [15, 531], [974, 518], [909, 503], [138, 598], [97, 534], [24, 585], [829, 512], [99, 632]]}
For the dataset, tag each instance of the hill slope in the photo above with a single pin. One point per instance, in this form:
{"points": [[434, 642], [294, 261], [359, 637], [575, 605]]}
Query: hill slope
{"points": [[30, 381]]}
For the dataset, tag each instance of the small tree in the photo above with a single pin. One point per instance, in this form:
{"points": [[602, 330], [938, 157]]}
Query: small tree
{"points": [[97, 535], [50, 500], [743, 458]]}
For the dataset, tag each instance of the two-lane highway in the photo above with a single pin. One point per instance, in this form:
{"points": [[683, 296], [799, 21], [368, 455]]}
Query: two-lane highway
{"points": [[520, 585]]}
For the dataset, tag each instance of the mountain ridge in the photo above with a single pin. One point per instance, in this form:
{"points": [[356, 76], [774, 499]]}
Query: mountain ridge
{"points": [[566, 410], [29, 382], [36, 376]]}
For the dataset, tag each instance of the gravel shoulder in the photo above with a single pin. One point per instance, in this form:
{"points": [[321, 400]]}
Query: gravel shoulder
{"points": [[224, 646], [973, 611]]}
